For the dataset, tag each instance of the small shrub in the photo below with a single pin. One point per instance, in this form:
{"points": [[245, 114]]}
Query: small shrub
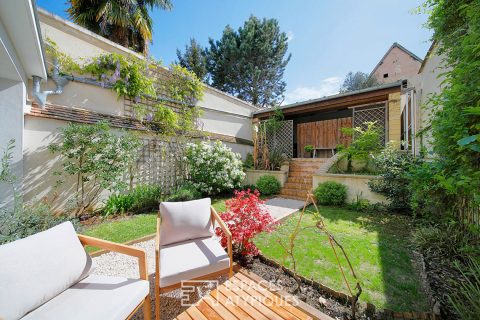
{"points": [[245, 217], [186, 192], [268, 185], [118, 204], [213, 168], [331, 193], [28, 220], [308, 148], [141, 199], [248, 163], [360, 204], [146, 198], [394, 167]]}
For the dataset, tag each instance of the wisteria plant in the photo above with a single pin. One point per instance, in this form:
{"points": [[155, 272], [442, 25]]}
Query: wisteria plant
{"points": [[246, 216], [213, 167]]}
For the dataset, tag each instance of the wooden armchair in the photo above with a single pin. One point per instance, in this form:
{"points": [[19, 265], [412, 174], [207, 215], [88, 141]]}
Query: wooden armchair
{"points": [[195, 258], [140, 254]]}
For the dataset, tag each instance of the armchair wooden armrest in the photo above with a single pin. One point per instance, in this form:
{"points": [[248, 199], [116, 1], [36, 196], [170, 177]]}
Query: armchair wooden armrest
{"points": [[120, 248], [227, 232]]}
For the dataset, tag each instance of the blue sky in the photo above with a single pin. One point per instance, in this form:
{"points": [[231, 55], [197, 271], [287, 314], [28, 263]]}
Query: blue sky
{"points": [[327, 38]]}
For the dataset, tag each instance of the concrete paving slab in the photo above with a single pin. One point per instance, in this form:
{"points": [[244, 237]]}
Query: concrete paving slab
{"points": [[281, 208]]}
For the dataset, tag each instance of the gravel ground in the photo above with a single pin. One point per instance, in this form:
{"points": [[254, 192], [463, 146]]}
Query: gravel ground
{"points": [[115, 264]]}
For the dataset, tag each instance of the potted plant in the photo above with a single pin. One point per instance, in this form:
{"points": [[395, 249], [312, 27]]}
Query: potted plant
{"points": [[308, 150]]}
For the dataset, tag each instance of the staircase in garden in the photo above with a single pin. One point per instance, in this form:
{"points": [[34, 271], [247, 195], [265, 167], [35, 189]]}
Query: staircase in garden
{"points": [[299, 180]]}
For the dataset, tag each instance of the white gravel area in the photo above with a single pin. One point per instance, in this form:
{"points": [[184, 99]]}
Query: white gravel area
{"points": [[115, 264]]}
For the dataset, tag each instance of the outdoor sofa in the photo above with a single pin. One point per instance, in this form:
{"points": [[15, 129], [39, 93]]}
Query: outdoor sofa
{"points": [[49, 276]]}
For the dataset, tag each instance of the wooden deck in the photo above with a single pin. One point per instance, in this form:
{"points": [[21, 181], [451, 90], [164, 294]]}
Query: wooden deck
{"points": [[247, 296]]}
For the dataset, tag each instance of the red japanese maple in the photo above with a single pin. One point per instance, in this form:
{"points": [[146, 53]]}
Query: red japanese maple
{"points": [[246, 216]]}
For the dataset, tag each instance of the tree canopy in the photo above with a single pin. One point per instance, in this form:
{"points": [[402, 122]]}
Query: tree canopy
{"points": [[357, 81], [193, 59], [126, 22], [249, 62]]}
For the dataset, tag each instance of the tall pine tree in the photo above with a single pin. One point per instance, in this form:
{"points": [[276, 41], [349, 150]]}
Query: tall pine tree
{"points": [[249, 63], [193, 59]]}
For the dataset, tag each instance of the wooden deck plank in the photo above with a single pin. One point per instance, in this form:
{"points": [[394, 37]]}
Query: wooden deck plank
{"points": [[183, 316], [269, 303], [253, 301], [233, 308], [194, 313], [219, 308], [207, 311], [246, 296], [308, 309], [251, 311], [283, 302]]}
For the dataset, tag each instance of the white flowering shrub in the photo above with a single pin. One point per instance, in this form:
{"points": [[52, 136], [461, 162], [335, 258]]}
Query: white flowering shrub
{"points": [[213, 168]]}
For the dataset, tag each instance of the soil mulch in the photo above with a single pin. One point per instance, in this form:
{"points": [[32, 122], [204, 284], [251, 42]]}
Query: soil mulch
{"points": [[307, 293]]}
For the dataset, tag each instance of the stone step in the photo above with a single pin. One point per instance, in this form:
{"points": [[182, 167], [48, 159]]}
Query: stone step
{"points": [[303, 174], [295, 193], [304, 180], [309, 160], [297, 186], [303, 169]]}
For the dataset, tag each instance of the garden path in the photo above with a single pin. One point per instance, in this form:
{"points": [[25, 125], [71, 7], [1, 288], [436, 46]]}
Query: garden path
{"points": [[281, 208]]}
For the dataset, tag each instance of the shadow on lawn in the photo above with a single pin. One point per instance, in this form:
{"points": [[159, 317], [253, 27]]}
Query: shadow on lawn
{"points": [[383, 261], [402, 287]]}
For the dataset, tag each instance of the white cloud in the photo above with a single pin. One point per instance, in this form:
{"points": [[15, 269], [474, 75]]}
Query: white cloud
{"points": [[290, 36], [327, 87]]}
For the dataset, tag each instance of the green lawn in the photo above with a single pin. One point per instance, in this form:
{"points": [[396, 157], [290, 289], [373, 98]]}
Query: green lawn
{"points": [[376, 244], [133, 227]]}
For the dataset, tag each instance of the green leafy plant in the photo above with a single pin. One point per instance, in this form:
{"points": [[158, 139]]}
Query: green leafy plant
{"points": [[359, 204], [276, 158], [118, 204], [455, 116], [97, 158], [394, 167], [142, 198], [330, 193], [366, 142], [308, 148], [248, 163], [268, 185], [465, 301], [186, 192]]}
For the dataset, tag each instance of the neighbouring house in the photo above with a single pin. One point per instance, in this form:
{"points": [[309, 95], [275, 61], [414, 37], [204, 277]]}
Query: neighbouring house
{"points": [[397, 63], [34, 127], [21, 57]]}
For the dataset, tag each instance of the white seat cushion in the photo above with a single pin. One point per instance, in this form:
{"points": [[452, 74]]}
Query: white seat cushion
{"points": [[95, 297], [35, 269], [185, 220], [191, 259]]}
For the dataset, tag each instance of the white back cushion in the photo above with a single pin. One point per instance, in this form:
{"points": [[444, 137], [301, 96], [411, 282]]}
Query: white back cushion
{"points": [[185, 220], [35, 269]]}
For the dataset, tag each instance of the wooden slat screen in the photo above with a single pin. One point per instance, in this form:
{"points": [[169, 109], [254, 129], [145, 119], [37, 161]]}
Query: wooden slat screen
{"points": [[323, 134]]}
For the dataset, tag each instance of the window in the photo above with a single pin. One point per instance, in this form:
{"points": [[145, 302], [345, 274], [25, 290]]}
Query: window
{"points": [[385, 75]]}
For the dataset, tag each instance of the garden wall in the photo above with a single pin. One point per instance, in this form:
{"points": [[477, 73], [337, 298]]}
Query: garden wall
{"points": [[357, 185], [252, 176], [225, 118]]}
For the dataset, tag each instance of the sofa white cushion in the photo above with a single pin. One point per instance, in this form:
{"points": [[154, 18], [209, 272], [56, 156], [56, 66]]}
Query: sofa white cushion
{"points": [[191, 259], [185, 220], [94, 298], [35, 269]]}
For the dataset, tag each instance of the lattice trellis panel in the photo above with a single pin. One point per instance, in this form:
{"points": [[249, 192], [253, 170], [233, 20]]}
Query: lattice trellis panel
{"points": [[374, 113], [159, 163], [282, 139]]}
